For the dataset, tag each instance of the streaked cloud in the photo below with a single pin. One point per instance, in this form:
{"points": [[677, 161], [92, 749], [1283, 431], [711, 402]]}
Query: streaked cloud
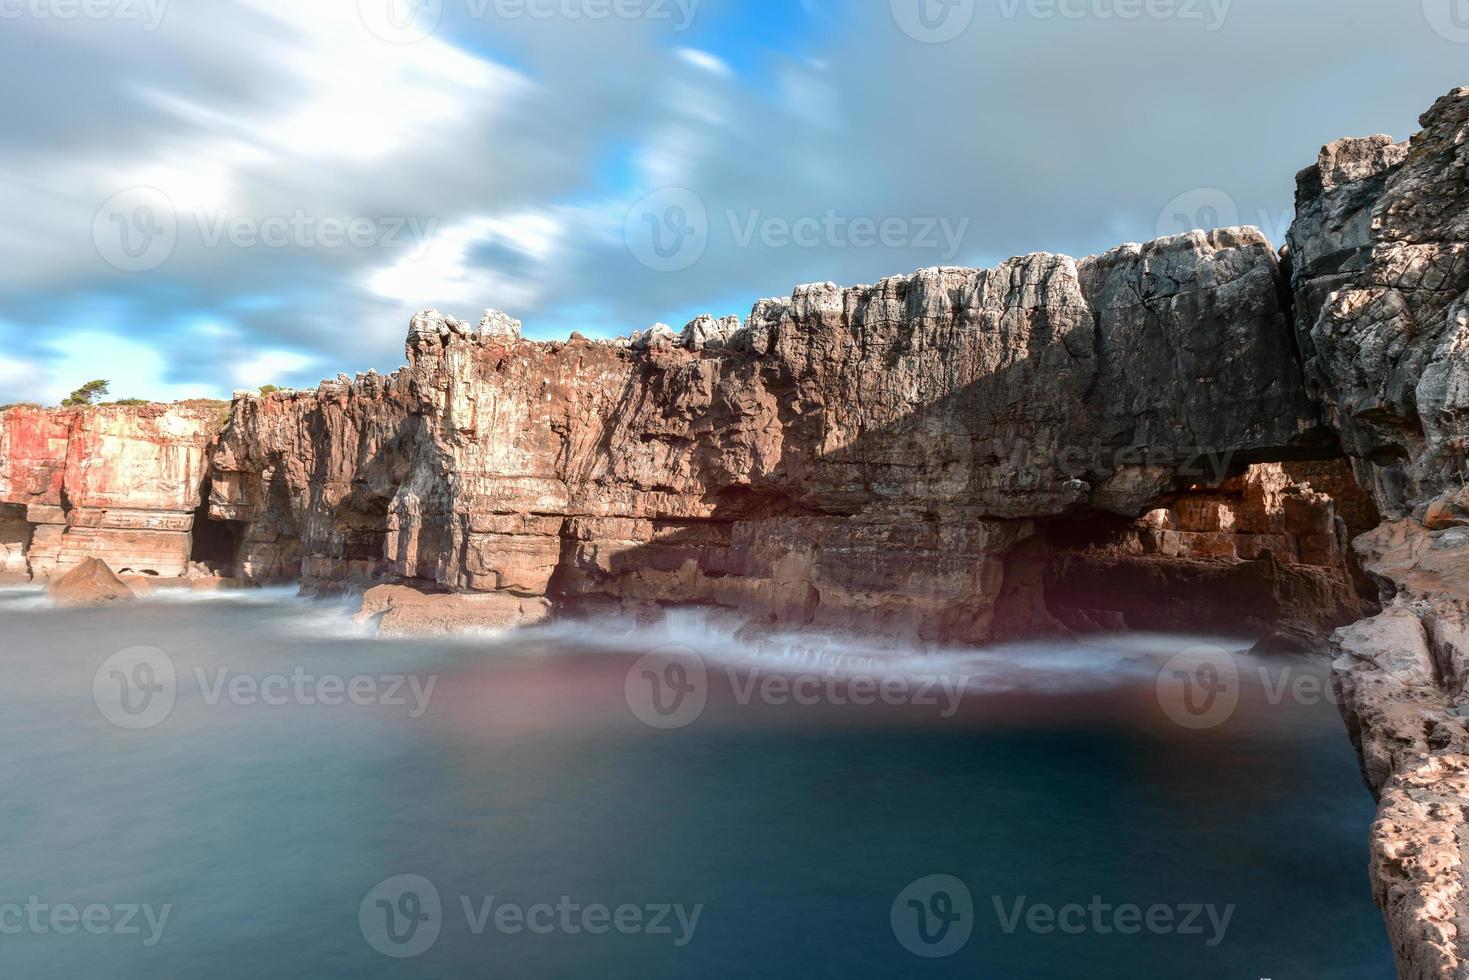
{"points": [[317, 184]]}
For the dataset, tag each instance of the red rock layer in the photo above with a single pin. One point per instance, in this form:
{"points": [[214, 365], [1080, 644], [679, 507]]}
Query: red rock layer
{"points": [[118, 483]]}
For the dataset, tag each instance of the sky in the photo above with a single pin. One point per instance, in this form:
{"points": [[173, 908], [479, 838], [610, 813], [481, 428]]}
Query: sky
{"points": [[201, 196]]}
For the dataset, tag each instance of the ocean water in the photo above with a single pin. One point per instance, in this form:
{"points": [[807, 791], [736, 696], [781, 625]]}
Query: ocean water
{"points": [[245, 786]]}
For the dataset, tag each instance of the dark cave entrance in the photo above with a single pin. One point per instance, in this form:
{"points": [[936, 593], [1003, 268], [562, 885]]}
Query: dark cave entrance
{"points": [[1266, 550], [216, 543]]}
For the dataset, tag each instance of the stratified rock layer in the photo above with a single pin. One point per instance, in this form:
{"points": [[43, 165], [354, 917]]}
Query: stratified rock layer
{"points": [[119, 483], [856, 458]]}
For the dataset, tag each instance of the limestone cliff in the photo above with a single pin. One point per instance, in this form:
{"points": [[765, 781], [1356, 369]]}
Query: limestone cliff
{"points": [[860, 458], [1381, 271], [1187, 433], [119, 483]]}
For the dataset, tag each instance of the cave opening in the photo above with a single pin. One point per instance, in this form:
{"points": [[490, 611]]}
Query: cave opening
{"points": [[1265, 552], [216, 543]]}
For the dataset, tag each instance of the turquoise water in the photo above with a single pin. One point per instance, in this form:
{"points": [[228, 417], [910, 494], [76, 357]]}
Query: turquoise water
{"points": [[766, 838]]}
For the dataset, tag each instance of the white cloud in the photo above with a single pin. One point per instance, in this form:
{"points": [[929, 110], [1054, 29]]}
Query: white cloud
{"points": [[443, 273], [133, 368], [270, 367], [259, 108], [703, 60]]}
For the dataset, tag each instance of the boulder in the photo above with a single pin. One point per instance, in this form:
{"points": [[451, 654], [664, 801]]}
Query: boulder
{"points": [[400, 610], [91, 583]]}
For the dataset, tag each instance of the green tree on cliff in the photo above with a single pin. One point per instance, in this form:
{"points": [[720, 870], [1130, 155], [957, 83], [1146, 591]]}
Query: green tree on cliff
{"points": [[87, 394]]}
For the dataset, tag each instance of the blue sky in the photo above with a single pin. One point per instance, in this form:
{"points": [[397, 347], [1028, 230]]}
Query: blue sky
{"points": [[219, 194]]}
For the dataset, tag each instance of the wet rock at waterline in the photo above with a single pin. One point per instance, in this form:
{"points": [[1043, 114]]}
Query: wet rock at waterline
{"points": [[89, 583]]}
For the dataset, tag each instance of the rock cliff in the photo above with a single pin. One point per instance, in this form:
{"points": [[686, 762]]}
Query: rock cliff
{"points": [[117, 483], [1380, 257], [861, 458], [1188, 433]]}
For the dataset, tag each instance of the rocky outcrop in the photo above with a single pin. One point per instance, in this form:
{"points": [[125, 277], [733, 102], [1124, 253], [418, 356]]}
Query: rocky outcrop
{"points": [[121, 483], [1380, 257], [89, 583], [859, 458], [397, 610]]}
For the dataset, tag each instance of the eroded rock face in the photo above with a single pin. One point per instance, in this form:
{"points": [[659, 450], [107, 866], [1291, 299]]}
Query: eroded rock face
{"points": [[1380, 256], [857, 458], [1380, 252], [119, 483]]}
